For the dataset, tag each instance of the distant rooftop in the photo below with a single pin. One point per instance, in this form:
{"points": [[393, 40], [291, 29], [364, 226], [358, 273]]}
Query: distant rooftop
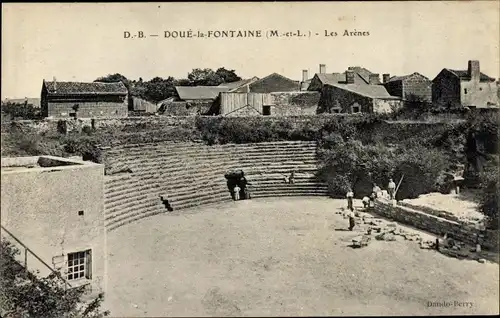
{"points": [[371, 91], [464, 75], [233, 85], [403, 77], [199, 92], [80, 88]]}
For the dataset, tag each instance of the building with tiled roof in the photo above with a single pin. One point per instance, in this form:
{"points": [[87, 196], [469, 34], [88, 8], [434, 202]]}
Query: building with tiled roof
{"points": [[413, 86], [353, 91], [238, 84], [465, 88], [270, 84], [361, 76], [199, 93], [84, 100]]}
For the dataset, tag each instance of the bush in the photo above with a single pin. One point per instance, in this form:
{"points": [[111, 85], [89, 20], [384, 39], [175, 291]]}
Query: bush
{"points": [[20, 111], [350, 163], [490, 193], [87, 130], [82, 146], [422, 168], [23, 294]]}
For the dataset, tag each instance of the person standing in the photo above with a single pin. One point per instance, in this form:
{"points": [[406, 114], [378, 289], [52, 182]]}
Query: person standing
{"points": [[376, 190], [244, 189], [352, 221], [350, 198], [373, 196], [391, 188], [291, 180], [236, 193]]}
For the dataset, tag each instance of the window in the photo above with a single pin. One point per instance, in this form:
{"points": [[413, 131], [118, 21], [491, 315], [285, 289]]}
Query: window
{"points": [[356, 109], [79, 265], [336, 110], [266, 110]]}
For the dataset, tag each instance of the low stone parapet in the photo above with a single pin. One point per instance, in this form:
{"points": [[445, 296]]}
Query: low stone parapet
{"points": [[461, 231]]}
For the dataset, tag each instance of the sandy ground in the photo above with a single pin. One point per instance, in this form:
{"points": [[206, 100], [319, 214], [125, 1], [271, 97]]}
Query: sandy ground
{"points": [[460, 205], [283, 257]]}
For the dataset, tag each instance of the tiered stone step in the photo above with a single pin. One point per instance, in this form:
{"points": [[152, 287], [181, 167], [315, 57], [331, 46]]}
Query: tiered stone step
{"points": [[189, 175]]}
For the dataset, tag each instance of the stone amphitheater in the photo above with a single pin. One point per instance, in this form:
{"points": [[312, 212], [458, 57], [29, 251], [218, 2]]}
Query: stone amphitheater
{"points": [[285, 252], [191, 174]]}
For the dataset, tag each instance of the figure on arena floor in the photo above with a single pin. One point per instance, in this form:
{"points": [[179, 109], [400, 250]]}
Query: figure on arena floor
{"points": [[350, 198], [352, 222], [236, 193]]}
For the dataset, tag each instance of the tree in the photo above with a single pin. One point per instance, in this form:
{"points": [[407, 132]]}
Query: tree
{"points": [[490, 193], [183, 82], [20, 110], [114, 78], [23, 294], [227, 76], [204, 77]]}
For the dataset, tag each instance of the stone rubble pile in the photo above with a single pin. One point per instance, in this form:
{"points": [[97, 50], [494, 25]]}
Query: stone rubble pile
{"points": [[389, 231]]}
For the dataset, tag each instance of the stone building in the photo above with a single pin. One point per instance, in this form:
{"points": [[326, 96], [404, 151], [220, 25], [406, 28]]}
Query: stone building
{"points": [[242, 85], [409, 86], [351, 97], [271, 83], [52, 210], [465, 88], [191, 100], [267, 104], [84, 100], [358, 75]]}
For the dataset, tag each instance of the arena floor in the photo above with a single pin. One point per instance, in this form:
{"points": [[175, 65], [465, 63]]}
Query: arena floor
{"points": [[283, 257]]}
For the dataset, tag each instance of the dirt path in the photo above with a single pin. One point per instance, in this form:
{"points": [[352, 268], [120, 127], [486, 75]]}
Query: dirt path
{"points": [[283, 257]]}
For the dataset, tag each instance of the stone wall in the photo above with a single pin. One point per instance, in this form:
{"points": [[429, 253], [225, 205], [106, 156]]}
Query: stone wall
{"points": [[394, 88], [40, 206], [383, 131], [419, 86], [446, 90], [461, 231], [337, 100], [295, 103], [87, 109], [186, 108], [479, 94], [386, 106]]}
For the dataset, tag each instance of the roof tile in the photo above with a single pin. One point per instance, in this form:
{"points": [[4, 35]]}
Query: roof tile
{"points": [[79, 88]]}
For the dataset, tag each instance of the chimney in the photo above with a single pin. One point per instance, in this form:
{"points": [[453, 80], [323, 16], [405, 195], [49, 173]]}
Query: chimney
{"points": [[385, 77], [473, 71], [349, 77], [322, 68], [305, 75], [373, 79], [55, 84]]}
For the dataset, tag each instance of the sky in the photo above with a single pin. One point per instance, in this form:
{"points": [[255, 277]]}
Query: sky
{"points": [[80, 42]]}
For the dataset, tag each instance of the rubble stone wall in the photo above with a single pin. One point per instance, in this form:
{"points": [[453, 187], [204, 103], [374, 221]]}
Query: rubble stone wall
{"points": [[437, 225]]}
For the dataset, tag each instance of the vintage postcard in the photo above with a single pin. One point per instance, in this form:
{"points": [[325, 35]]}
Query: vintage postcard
{"points": [[250, 159]]}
